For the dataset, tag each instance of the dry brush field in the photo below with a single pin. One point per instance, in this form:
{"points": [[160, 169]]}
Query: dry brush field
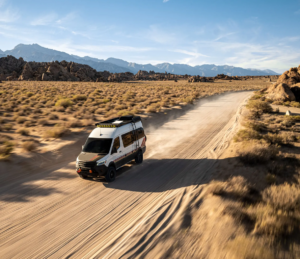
{"points": [[33, 111]]}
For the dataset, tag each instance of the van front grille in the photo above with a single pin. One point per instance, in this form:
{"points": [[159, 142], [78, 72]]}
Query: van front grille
{"points": [[84, 164]]}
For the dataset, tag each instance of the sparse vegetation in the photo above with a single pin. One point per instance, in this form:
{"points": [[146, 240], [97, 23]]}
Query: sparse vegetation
{"points": [[29, 146], [56, 132]]}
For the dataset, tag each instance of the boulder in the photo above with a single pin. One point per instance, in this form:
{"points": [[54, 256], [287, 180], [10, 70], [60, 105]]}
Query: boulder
{"points": [[27, 72], [280, 92], [45, 77]]}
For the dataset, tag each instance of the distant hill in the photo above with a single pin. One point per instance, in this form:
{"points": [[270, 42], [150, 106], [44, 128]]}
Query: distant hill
{"points": [[38, 53]]}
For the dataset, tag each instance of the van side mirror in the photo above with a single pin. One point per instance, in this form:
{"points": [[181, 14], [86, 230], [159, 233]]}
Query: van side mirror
{"points": [[114, 150]]}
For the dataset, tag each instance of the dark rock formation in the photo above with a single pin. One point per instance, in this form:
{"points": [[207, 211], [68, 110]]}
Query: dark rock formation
{"points": [[12, 69]]}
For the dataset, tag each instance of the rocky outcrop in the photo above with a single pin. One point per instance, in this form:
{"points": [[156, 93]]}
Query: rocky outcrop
{"points": [[17, 69], [27, 72], [287, 87], [280, 92], [290, 77]]}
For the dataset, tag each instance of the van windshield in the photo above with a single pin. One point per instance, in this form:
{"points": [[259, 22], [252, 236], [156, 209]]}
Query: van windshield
{"points": [[97, 145]]}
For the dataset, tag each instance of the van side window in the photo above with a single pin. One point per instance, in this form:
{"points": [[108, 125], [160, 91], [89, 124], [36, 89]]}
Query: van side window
{"points": [[116, 143], [127, 139], [140, 133]]}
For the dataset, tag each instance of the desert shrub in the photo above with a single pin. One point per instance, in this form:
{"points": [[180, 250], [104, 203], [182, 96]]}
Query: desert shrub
{"points": [[20, 120], [74, 124], [254, 153], [256, 97], [287, 123], [125, 113], [37, 110], [293, 118], [69, 110], [29, 94], [282, 197], [151, 109], [254, 125], [23, 132], [29, 146], [281, 138], [56, 132], [100, 111], [236, 186], [287, 103], [42, 122], [188, 99], [258, 106], [88, 122], [59, 109], [7, 126], [270, 222], [27, 124], [6, 149], [246, 135], [120, 107], [64, 103], [79, 97], [295, 104], [278, 102], [248, 247], [52, 117], [106, 100]]}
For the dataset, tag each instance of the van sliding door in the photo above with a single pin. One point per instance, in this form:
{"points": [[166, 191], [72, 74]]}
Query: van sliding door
{"points": [[128, 143]]}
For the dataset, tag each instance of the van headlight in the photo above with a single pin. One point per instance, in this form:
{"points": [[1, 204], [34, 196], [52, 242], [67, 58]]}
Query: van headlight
{"points": [[101, 163]]}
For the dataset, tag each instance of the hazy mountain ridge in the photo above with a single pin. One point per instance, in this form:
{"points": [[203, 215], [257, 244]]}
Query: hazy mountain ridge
{"points": [[38, 53]]}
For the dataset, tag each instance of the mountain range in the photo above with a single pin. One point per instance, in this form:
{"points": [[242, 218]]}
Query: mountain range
{"points": [[37, 53]]}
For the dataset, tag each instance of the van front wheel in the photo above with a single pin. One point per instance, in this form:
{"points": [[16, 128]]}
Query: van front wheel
{"points": [[111, 174], [139, 157]]}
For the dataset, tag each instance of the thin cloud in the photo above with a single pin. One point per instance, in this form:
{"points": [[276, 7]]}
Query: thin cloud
{"points": [[297, 12], [8, 15], [190, 53], [69, 17], [44, 20], [165, 1], [156, 34]]}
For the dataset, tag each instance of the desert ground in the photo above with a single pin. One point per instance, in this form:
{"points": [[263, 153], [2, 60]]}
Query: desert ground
{"points": [[170, 206]]}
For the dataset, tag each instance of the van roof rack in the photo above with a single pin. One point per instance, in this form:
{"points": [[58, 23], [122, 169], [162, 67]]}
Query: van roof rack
{"points": [[118, 121]]}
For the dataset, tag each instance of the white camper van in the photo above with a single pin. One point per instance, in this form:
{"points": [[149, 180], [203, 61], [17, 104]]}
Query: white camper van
{"points": [[112, 144]]}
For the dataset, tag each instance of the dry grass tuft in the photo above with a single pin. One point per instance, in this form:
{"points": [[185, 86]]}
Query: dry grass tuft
{"points": [[29, 146], [56, 132], [284, 197], [248, 248], [64, 102], [23, 132], [254, 153], [246, 135]]}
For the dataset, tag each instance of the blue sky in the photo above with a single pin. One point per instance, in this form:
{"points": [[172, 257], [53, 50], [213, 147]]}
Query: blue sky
{"points": [[251, 34]]}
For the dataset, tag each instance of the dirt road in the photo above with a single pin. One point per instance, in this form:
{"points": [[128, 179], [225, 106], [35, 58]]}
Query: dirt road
{"points": [[56, 214]]}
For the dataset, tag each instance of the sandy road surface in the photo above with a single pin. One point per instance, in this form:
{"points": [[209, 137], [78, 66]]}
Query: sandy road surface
{"points": [[64, 216]]}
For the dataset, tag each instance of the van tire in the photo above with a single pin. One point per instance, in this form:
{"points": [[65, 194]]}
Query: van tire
{"points": [[139, 157], [111, 174], [83, 177]]}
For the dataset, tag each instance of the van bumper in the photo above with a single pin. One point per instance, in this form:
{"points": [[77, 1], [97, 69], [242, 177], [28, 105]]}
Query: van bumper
{"points": [[97, 171]]}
